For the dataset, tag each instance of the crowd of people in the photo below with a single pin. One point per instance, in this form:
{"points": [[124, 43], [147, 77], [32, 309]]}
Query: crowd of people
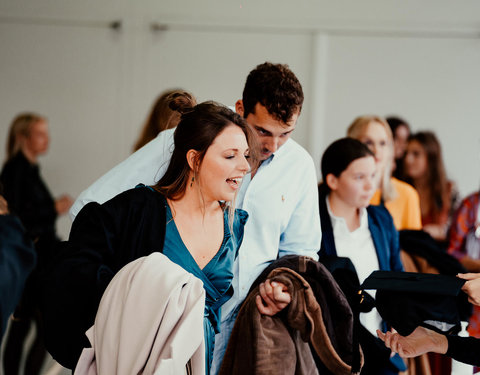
{"points": [[230, 198]]}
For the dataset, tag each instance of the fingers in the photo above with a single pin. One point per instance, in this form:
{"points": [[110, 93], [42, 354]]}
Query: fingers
{"points": [[272, 298], [391, 341], [381, 335], [468, 276], [280, 293], [266, 292], [264, 310]]}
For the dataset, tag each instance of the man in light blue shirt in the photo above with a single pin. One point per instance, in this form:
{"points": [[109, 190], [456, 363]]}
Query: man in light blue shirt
{"points": [[281, 197]]}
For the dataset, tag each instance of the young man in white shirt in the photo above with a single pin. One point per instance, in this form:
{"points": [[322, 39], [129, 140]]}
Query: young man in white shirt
{"points": [[281, 198]]}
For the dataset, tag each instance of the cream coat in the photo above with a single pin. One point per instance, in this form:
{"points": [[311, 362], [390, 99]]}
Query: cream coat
{"points": [[150, 321]]}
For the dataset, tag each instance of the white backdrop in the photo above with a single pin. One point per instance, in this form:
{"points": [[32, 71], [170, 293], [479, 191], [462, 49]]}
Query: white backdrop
{"points": [[96, 84]]}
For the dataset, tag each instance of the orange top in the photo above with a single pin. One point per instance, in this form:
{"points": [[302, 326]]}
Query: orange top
{"points": [[404, 208]]}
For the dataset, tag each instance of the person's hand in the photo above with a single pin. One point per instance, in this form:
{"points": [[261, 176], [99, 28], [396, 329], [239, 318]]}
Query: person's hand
{"points": [[63, 204], [273, 297], [437, 231], [420, 341], [471, 287], [3, 206]]}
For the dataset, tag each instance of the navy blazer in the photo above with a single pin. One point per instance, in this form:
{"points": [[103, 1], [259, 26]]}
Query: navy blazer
{"points": [[382, 229]]}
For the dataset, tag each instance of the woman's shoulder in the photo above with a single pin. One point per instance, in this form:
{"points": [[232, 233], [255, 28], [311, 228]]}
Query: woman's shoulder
{"points": [[15, 164], [380, 214], [138, 194], [403, 188], [140, 197]]}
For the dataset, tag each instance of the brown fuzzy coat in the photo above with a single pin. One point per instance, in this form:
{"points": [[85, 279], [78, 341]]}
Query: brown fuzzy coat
{"points": [[264, 345]]}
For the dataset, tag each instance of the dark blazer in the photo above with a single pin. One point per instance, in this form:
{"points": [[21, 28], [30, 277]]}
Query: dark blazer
{"points": [[382, 229]]}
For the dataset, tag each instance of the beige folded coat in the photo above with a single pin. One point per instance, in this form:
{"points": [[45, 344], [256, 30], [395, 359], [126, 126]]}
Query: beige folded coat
{"points": [[150, 321]]}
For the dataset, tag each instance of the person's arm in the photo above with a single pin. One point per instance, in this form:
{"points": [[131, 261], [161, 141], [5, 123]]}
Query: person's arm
{"points": [[146, 166], [423, 340], [17, 259], [459, 228], [303, 234], [420, 341]]}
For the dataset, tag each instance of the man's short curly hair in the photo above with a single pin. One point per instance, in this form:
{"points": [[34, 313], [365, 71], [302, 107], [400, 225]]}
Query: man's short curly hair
{"points": [[275, 87]]}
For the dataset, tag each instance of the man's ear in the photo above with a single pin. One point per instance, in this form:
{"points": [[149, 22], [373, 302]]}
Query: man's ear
{"points": [[192, 159], [239, 107], [332, 181]]}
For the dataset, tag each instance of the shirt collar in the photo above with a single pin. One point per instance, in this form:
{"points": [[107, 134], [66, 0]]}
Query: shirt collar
{"points": [[280, 151], [338, 221]]}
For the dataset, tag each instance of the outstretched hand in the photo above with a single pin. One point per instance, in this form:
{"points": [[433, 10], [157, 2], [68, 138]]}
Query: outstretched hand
{"points": [[273, 297], [420, 341], [471, 287]]}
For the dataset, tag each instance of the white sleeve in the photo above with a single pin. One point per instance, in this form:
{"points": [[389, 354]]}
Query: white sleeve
{"points": [[147, 166], [303, 234]]}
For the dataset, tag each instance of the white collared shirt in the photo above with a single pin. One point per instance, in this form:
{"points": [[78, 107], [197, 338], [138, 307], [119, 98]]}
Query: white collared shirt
{"points": [[359, 247]]}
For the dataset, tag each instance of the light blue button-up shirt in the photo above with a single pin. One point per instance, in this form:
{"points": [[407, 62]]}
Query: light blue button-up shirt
{"points": [[282, 203]]}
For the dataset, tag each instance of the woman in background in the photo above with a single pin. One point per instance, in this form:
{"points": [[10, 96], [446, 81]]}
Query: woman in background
{"points": [[30, 199], [161, 116], [425, 170], [401, 131], [353, 229], [400, 199]]}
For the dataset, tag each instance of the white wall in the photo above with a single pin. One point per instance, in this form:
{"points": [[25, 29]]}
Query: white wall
{"points": [[416, 59]]}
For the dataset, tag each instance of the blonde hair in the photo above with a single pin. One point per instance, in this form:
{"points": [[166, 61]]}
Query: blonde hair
{"points": [[356, 129], [20, 126]]}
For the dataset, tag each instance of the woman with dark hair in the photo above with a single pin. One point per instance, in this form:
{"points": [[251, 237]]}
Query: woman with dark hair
{"points": [[400, 131], [188, 215], [161, 116], [425, 170], [353, 229]]}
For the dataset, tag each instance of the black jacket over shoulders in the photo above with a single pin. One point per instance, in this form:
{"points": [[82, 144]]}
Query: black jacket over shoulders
{"points": [[103, 239]]}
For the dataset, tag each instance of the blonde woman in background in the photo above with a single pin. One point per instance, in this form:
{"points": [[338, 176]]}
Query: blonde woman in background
{"points": [[161, 116], [400, 198], [30, 199]]}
